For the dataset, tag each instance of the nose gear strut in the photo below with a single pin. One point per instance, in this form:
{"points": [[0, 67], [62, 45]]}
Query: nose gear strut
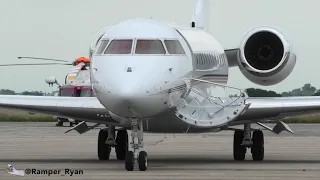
{"points": [[136, 156]]}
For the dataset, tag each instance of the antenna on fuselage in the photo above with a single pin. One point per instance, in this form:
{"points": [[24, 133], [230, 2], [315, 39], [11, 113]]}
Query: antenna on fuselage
{"points": [[198, 17]]}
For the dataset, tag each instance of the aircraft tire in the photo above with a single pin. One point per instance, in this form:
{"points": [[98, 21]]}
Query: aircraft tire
{"points": [[257, 148], [239, 151], [103, 148], [122, 144], [129, 162], [143, 161]]}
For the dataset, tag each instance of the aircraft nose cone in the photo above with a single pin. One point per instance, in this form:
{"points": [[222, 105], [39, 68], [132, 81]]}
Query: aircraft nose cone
{"points": [[131, 96], [133, 102], [126, 101]]}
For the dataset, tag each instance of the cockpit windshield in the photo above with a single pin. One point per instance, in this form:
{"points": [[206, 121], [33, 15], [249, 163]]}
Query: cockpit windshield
{"points": [[119, 46], [149, 47], [142, 46], [102, 46], [174, 47]]}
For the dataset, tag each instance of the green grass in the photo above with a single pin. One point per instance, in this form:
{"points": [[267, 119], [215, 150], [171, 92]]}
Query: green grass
{"points": [[21, 116], [315, 118]]}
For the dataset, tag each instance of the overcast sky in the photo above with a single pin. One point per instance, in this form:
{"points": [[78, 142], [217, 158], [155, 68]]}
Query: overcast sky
{"points": [[63, 29]]}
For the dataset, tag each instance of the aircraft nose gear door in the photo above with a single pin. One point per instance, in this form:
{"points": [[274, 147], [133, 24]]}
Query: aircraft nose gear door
{"points": [[202, 108]]}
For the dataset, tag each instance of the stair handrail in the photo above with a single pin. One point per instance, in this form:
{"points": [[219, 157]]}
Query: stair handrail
{"points": [[241, 91]]}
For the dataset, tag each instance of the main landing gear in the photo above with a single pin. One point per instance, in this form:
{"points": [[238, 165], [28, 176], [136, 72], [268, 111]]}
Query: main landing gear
{"points": [[107, 140], [136, 155], [242, 140]]}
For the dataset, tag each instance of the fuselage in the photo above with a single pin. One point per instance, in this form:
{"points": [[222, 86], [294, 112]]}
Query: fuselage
{"points": [[140, 64]]}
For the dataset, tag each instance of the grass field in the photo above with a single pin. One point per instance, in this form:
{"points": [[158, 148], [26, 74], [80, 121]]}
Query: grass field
{"points": [[21, 116], [315, 118]]}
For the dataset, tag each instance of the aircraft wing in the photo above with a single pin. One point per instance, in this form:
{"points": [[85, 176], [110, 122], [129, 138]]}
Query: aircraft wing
{"points": [[232, 56], [275, 108], [89, 108], [81, 108]]}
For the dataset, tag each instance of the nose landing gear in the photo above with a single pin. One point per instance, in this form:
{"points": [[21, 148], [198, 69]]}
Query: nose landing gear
{"points": [[136, 156]]}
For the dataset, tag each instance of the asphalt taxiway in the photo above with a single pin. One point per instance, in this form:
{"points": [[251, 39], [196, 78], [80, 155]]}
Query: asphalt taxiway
{"points": [[182, 156]]}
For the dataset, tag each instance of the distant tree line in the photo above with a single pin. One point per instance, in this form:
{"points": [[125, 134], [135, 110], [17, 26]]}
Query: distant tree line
{"points": [[31, 93], [306, 90]]}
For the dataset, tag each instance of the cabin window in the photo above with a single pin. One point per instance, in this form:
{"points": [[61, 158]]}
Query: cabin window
{"points": [[120, 46], [149, 47], [102, 46], [174, 47], [66, 92], [86, 93]]}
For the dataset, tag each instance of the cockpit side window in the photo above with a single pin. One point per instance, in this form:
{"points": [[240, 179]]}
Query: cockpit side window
{"points": [[102, 46], [119, 46], [174, 47], [99, 39], [149, 47]]}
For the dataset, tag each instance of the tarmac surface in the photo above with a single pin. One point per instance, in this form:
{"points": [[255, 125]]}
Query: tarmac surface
{"points": [[181, 156]]}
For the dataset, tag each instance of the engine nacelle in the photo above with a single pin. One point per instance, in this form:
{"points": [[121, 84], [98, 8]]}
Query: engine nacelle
{"points": [[265, 56], [95, 41]]}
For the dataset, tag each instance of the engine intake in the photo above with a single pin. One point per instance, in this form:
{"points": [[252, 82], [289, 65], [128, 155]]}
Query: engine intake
{"points": [[263, 50], [265, 56]]}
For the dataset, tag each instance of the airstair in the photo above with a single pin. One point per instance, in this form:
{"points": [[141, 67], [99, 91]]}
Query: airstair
{"points": [[200, 106]]}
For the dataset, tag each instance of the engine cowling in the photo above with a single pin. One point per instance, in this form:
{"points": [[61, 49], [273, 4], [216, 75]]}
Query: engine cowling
{"points": [[265, 56]]}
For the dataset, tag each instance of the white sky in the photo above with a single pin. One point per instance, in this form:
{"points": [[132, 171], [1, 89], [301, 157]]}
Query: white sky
{"points": [[63, 29]]}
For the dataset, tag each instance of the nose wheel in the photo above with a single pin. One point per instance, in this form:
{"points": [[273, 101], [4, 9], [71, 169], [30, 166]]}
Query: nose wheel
{"points": [[143, 161], [136, 156]]}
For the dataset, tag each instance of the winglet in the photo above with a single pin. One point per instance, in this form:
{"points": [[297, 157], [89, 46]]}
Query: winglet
{"points": [[278, 128], [199, 15]]}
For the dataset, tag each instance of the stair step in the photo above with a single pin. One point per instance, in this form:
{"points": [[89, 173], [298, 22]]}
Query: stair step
{"points": [[198, 108]]}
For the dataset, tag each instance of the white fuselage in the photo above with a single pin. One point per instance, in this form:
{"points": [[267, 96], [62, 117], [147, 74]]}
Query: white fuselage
{"points": [[134, 79]]}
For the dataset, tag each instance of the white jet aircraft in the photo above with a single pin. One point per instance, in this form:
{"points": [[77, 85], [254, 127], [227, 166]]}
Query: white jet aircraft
{"points": [[149, 76]]}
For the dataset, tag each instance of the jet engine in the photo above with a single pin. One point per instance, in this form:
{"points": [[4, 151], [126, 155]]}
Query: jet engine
{"points": [[265, 56]]}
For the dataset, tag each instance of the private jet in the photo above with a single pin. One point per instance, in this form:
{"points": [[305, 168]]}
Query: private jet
{"points": [[156, 77]]}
